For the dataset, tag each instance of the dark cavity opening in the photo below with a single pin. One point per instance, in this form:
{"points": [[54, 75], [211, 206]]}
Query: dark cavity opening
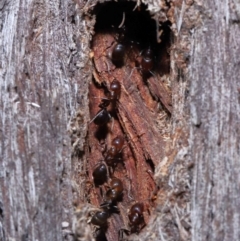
{"points": [[140, 30], [151, 164]]}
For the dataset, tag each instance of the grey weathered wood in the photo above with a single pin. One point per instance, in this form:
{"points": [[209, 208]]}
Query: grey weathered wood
{"points": [[43, 86], [214, 126]]}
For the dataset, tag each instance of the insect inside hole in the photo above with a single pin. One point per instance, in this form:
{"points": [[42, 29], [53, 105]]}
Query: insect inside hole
{"points": [[118, 52], [147, 62], [136, 220], [103, 116], [113, 194], [100, 173], [112, 155]]}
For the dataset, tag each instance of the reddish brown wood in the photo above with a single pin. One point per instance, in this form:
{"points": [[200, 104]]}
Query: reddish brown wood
{"points": [[136, 119]]}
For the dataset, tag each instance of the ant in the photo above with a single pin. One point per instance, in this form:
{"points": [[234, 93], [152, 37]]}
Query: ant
{"points": [[119, 50], [103, 116], [147, 62], [100, 221], [136, 220], [114, 150], [113, 194], [118, 54], [100, 174], [113, 95], [135, 216]]}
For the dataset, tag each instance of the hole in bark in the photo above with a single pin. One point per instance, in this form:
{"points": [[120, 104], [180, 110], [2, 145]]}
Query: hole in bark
{"points": [[73, 19], [136, 109], [139, 31], [151, 164]]}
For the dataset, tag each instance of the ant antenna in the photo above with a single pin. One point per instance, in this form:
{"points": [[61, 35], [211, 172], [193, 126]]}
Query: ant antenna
{"points": [[96, 116], [123, 20], [154, 75], [137, 5]]}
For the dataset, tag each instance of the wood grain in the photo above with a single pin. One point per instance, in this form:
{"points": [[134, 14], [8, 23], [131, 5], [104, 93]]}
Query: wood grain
{"points": [[45, 96]]}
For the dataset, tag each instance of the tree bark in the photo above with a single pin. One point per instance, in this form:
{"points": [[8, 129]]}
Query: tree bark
{"points": [[43, 55], [214, 126], [45, 75]]}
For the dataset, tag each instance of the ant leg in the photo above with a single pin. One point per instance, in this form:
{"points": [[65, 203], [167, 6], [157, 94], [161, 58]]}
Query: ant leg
{"points": [[154, 76], [121, 234], [111, 171], [108, 175], [129, 188], [95, 97], [108, 67], [112, 120], [132, 72]]}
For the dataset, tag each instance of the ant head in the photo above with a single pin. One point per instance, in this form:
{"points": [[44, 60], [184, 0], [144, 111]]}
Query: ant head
{"points": [[118, 142], [115, 89], [137, 208], [147, 62]]}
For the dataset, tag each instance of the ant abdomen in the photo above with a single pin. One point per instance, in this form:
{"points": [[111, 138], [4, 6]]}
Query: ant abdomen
{"points": [[100, 174], [147, 62], [118, 54], [115, 90], [100, 218], [102, 117], [115, 192]]}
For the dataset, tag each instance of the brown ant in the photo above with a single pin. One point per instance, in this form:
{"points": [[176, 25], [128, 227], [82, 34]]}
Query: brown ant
{"points": [[147, 62], [100, 222], [103, 116], [118, 54], [119, 50], [114, 150], [113, 194], [135, 216], [136, 220]]}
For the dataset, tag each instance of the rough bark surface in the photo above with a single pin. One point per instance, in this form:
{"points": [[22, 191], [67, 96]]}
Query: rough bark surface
{"points": [[214, 128], [46, 77], [43, 54]]}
